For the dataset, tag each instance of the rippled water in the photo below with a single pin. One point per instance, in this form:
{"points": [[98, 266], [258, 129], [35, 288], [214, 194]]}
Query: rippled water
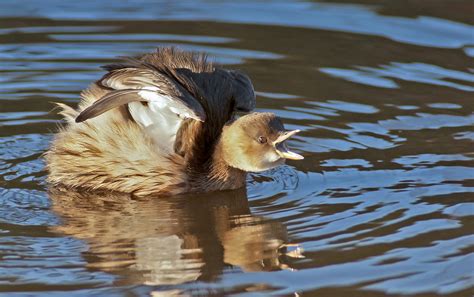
{"points": [[382, 205]]}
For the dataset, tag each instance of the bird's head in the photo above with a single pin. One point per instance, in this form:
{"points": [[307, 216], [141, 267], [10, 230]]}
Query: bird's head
{"points": [[256, 142]]}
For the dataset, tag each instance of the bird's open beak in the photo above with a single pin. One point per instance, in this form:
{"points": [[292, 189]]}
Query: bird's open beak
{"points": [[283, 150]]}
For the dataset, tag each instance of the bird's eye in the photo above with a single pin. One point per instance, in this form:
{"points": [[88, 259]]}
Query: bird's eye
{"points": [[262, 139]]}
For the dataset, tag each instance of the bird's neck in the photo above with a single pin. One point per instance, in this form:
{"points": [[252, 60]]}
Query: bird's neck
{"points": [[222, 175]]}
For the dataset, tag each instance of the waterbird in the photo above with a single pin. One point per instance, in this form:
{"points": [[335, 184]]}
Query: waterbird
{"points": [[166, 123]]}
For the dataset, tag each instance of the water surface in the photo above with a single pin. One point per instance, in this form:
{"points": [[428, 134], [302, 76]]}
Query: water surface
{"points": [[381, 205]]}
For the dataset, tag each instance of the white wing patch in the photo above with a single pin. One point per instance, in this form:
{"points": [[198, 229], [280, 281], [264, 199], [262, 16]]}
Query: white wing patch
{"points": [[160, 120], [158, 103]]}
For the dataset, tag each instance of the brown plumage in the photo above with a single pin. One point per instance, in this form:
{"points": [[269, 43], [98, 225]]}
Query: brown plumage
{"points": [[164, 124]]}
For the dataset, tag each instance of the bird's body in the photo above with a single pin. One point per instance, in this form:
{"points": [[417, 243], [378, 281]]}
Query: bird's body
{"points": [[156, 125]]}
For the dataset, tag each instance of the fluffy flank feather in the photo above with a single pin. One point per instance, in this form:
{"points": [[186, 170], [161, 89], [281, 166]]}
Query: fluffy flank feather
{"points": [[119, 158], [66, 111]]}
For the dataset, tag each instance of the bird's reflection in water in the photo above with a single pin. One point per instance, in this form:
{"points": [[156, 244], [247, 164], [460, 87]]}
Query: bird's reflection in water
{"points": [[160, 241]]}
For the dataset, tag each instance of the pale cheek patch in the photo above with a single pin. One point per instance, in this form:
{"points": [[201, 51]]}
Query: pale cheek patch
{"points": [[271, 157], [270, 160]]}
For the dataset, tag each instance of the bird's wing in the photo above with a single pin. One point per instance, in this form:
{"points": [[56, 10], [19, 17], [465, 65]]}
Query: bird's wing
{"points": [[156, 101], [161, 93]]}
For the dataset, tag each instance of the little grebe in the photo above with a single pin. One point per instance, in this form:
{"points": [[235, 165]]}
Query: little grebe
{"points": [[164, 123]]}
